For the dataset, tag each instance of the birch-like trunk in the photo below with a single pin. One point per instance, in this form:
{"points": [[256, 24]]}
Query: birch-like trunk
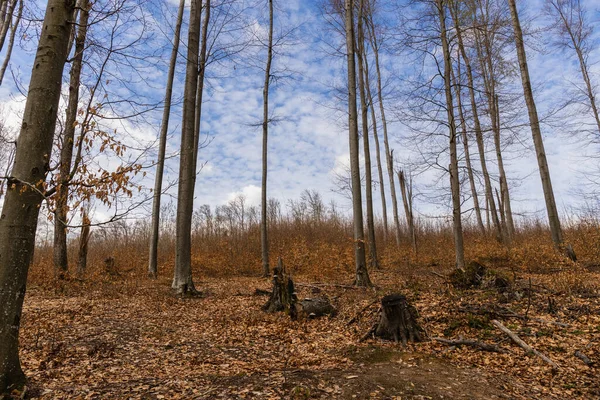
{"points": [[60, 256], [162, 145], [264, 237], [21, 203], [553, 219], [454, 179], [373, 260], [362, 275]]}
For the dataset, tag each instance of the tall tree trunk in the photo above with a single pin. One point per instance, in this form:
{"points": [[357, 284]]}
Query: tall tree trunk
{"points": [[162, 145], [538, 142], [7, 22], [454, 179], [182, 280], [362, 274], [465, 139], [389, 157], [61, 261], [11, 41], [490, 203], [18, 222], [366, 147], [377, 149], [200, 88], [407, 197], [264, 237]]}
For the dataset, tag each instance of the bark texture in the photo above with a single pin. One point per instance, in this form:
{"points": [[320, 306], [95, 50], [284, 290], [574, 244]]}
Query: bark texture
{"points": [[182, 280], [362, 275], [553, 219], [18, 221]]}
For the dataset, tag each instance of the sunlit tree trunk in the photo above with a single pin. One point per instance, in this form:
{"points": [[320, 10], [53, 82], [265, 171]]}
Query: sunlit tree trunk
{"points": [[264, 237], [362, 275], [18, 221], [162, 145], [182, 280], [407, 199], [538, 142]]}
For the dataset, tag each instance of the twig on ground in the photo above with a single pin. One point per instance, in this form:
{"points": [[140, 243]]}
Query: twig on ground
{"points": [[362, 310], [471, 343], [524, 345]]}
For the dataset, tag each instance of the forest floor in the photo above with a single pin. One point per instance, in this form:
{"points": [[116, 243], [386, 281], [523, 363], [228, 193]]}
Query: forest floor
{"points": [[132, 338]]}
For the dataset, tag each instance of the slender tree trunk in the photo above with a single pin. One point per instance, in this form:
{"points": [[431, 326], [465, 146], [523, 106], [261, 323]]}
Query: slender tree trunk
{"points": [[162, 145], [7, 21], [487, 70], [362, 274], [377, 151], [465, 139], [200, 88], [84, 240], [18, 222], [264, 238], [373, 260], [538, 142], [389, 157], [61, 261], [454, 179], [408, 209], [182, 280], [11, 41], [490, 203]]}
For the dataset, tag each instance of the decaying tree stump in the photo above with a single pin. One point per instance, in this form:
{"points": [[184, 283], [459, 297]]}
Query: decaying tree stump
{"points": [[476, 275], [397, 321], [283, 296]]}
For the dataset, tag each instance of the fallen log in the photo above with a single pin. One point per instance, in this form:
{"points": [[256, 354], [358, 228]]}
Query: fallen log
{"points": [[471, 343], [524, 345]]}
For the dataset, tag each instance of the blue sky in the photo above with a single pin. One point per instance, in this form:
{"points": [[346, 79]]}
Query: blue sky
{"points": [[310, 142]]}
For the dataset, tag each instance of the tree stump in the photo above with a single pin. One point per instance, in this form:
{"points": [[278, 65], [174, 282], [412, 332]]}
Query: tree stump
{"points": [[283, 296], [398, 320]]}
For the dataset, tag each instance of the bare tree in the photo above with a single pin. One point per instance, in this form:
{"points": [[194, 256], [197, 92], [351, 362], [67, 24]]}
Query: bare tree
{"points": [[14, 25], [265, 128], [362, 275], [407, 199], [23, 198], [360, 50], [573, 30], [454, 178], [182, 280], [553, 218], [61, 262], [160, 165], [389, 157], [490, 203]]}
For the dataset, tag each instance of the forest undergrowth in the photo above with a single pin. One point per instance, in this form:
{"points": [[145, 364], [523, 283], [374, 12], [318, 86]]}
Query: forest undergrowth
{"points": [[117, 334]]}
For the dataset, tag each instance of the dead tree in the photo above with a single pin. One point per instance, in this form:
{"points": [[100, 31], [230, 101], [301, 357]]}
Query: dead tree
{"points": [[283, 296]]}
